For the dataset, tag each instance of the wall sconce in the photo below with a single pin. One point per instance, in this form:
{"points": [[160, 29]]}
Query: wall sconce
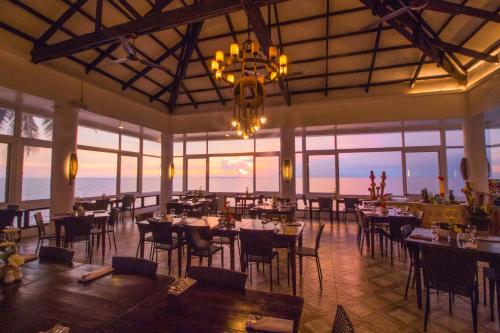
{"points": [[73, 167], [287, 170], [171, 171]]}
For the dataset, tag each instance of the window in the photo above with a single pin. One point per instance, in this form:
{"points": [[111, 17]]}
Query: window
{"points": [[130, 143], [298, 143], [322, 173], [320, 142], [97, 138], [267, 144], [196, 147], [36, 173], [96, 173], [423, 138], [4, 154], [151, 148], [151, 174], [492, 136], [228, 174], [267, 174], [455, 181], [7, 120], [372, 140], [36, 127], [178, 148], [229, 146], [494, 159], [128, 174], [355, 169], [178, 174], [299, 180], [422, 170], [454, 138], [197, 173]]}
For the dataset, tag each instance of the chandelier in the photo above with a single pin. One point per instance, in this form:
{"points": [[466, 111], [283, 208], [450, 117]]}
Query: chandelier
{"points": [[247, 70]]}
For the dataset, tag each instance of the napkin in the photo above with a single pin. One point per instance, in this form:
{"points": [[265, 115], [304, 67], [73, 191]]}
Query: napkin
{"points": [[58, 328], [180, 286], [272, 324], [30, 257], [87, 277]]}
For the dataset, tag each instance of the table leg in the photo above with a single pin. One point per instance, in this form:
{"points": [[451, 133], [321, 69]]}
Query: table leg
{"points": [[372, 239], [231, 252], [142, 236], [103, 236], [294, 267], [58, 234], [310, 213], [496, 267], [179, 254], [418, 275], [337, 210], [300, 257]]}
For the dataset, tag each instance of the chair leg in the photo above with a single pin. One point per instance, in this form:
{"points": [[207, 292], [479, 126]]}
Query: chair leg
{"points": [[392, 260], [278, 267], [40, 240], [473, 305], [270, 273], [427, 307], [408, 280], [320, 274], [222, 256], [492, 299], [114, 241], [169, 261]]}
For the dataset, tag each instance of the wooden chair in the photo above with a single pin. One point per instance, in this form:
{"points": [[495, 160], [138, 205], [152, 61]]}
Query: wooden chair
{"points": [[134, 266], [110, 227], [128, 202], [314, 252], [452, 271], [350, 205], [163, 240], [342, 323], [394, 233], [77, 230], [257, 247], [57, 255], [42, 234], [218, 277]]}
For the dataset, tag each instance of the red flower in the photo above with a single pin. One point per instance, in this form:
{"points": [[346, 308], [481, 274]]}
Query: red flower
{"points": [[440, 178]]}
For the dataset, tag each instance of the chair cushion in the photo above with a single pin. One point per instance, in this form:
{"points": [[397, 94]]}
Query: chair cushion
{"points": [[306, 251], [162, 246]]}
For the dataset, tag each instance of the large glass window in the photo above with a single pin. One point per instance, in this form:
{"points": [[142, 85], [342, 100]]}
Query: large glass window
{"points": [[355, 169], [267, 178], [228, 173], [320, 142], [228, 146], [7, 120], [422, 170], [4, 154], [178, 148], [97, 138], [36, 173], [322, 173], [422, 138], [131, 143], [371, 140], [298, 143], [267, 144], [36, 127], [128, 174], [178, 174], [196, 147], [151, 148], [492, 136], [455, 180], [96, 173], [454, 138], [299, 178], [151, 174], [197, 173]]}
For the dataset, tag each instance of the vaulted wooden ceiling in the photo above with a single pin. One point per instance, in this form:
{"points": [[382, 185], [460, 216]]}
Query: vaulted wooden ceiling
{"points": [[336, 44]]}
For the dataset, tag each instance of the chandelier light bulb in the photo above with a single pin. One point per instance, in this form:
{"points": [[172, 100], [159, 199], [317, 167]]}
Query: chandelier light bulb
{"points": [[263, 120], [234, 50], [273, 52], [245, 136], [219, 56], [214, 66], [218, 75], [283, 61], [240, 133], [230, 78], [234, 123]]}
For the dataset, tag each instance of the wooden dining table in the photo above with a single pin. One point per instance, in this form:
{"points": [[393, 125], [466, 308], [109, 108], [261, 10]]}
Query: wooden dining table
{"points": [[100, 218], [488, 250], [376, 217]]}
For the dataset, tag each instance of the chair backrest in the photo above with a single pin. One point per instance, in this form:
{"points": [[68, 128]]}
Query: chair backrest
{"points": [[406, 230], [57, 255], [198, 237], [113, 216], [449, 269], [257, 242], [162, 232], [360, 218], [134, 266], [395, 224], [143, 216], [7, 217], [351, 203], [260, 199], [304, 200], [318, 237], [101, 204], [128, 201], [177, 206], [77, 226], [88, 205], [39, 224], [342, 323], [218, 277], [214, 204], [325, 204]]}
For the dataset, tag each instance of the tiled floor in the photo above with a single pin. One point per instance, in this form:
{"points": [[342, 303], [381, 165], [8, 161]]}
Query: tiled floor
{"points": [[370, 289]]}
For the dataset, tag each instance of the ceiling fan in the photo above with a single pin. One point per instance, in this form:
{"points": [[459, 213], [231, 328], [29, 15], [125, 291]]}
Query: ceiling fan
{"points": [[132, 56], [414, 5]]}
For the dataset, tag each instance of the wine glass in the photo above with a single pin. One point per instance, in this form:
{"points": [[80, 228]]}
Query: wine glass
{"points": [[435, 231], [472, 232], [275, 222]]}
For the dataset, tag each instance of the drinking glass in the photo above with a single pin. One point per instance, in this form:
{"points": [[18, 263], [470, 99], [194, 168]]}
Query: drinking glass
{"points": [[435, 231], [275, 222], [472, 232]]}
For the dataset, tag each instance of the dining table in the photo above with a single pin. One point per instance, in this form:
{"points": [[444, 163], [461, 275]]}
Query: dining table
{"points": [[100, 218], [488, 250], [275, 211], [288, 233], [376, 217]]}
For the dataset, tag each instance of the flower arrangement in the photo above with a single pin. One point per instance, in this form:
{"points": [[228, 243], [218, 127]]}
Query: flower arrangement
{"points": [[11, 270], [228, 216]]}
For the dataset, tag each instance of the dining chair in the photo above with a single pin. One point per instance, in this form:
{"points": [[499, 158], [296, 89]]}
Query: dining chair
{"points": [[163, 240], [200, 245], [326, 206], [7, 216], [178, 207], [452, 271], [342, 323], [127, 206], [144, 229], [411, 248], [77, 230], [257, 247], [214, 206], [393, 234], [57, 255], [134, 266], [360, 233], [218, 277], [102, 204], [42, 234], [314, 253], [306, 205], [489, 274], [110, 226], [350, 205]]}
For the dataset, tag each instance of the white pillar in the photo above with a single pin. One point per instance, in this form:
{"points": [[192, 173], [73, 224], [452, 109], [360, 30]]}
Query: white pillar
{"points": [[475, 152], [167, 153], [63, 144], [287, 136]]}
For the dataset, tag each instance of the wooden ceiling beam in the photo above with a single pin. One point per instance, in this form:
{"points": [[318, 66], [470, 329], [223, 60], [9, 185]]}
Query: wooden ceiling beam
{"points": [[61, 20], [98, 15], [327, 44], [374, 57], [460, 9], [288, 100], [157, 21]]}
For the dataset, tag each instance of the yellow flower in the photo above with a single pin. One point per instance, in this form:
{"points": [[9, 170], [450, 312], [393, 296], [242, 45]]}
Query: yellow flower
{"points": [[16, 260]]}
